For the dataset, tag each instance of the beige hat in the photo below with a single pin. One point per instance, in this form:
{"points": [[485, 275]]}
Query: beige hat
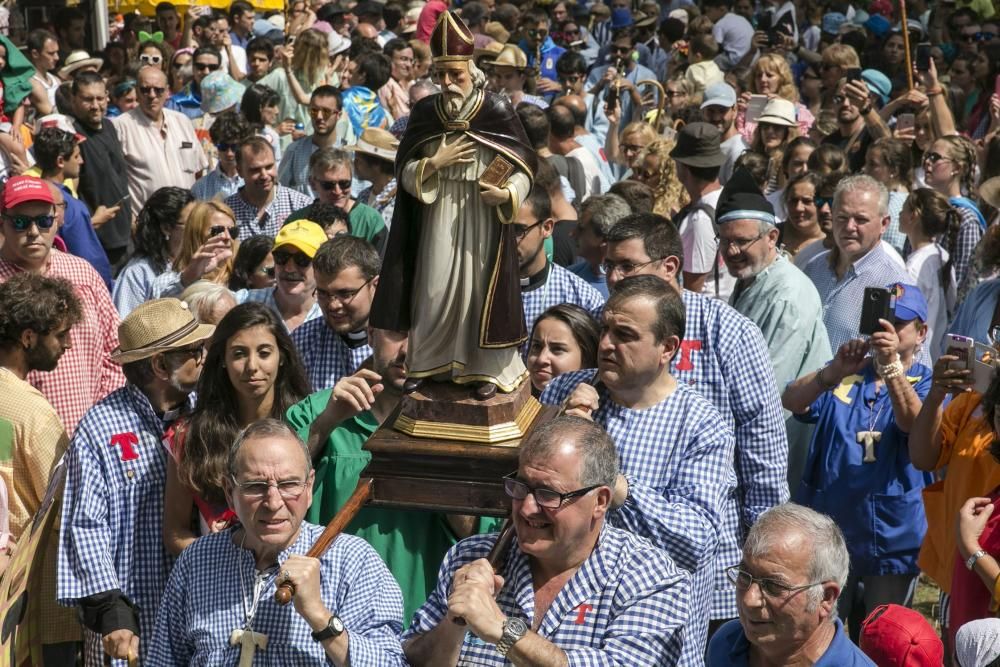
{"points": [[989, 191], [378, 142], [158, 326], [778, 111], [496, 30], [78, 60], [489, 52], [510, 56]]}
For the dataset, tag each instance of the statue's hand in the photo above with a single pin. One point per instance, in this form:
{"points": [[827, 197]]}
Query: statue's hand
{"points": [[460, 151], [492, 195]]}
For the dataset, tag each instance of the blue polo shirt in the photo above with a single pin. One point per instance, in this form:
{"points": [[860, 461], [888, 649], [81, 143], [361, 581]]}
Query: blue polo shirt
{"points": [[879, 505], [550, 54], [730, 648]]}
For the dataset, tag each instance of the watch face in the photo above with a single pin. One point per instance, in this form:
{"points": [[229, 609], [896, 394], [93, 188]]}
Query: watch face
{"points": [[516, 626], [336, 624]]}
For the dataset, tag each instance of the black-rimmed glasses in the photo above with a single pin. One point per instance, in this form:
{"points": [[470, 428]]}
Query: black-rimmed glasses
{"points": [[546, 498], [343, 297], [627, 268]]}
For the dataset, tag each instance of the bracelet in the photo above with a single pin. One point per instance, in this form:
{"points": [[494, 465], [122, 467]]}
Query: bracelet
{"points": [[935, 92], [822, 382], [891, 370], [866, 110], [971, 561]]}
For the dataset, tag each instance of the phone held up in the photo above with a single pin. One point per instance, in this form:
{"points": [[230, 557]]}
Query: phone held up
{"points": [[878, 305]]}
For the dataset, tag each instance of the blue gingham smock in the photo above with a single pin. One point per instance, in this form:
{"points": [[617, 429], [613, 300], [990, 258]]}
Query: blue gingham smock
{"points": [[560, 286], [626, 605], [112, 510], [325, 355], [202, 606]]}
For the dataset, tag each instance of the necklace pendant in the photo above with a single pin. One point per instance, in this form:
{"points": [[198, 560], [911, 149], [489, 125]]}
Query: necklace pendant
{"points": [[868, 439]]}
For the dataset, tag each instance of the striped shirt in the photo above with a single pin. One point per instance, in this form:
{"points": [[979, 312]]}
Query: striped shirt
{"points": [[325, 355], [213, 583], [628, 604]]}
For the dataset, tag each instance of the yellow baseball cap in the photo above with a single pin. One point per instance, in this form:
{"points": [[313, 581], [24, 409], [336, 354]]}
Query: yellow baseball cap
{"points": [[305, 235]]}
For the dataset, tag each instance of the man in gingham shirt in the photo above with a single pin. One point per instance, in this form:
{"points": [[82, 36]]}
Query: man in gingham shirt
{"points": [[544, 284], [607, 596], [723, 357], [346, 601], [262, 204], [674, 447], [112, 561], [335, 345]]}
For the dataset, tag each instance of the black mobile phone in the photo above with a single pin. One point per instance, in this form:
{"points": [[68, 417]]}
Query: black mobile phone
{"points": [[924, 57], [611, 97], [121, 201], [854, 74], [215, 230], [877, 306], [764, 22]]}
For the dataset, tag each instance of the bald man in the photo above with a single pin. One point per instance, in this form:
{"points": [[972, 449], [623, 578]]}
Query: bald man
{"points": [[563, 140], [578, 106], [159, 145]]}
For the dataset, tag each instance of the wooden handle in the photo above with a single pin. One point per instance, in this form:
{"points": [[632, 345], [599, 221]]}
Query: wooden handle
{"points": [[362, 492], [906, 44], [498, 554]]}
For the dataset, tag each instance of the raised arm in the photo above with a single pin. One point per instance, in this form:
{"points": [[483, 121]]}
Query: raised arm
{"points": [[925, 437]]}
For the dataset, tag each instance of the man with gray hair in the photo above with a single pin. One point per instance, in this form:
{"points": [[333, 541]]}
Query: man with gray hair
{"points": [[572, 589], [794, 566], [857, 260], [598, 215]]}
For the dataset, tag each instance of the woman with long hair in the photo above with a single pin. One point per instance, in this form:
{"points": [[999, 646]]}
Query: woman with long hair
{"points": [[564, 339], [207, 248], [253, 267], [623, 153], [931, 224], [794, 163], [295, 79], [252, 371], [180, 72], [155, 54], [772, 76], [888, 161], [655, 168], [801, 225], [158, 233], [261, 106], [774, 131]]}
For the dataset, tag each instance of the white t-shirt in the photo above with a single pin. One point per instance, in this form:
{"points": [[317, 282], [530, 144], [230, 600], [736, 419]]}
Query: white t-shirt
{"points": [[924, 266], [732, 148], [591, 171], [239, 55], [701, 250], [734, 35]]}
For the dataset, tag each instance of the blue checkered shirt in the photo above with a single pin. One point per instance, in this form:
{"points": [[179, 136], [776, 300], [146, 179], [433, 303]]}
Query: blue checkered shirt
{"points": [[202, 606], [842, 299], [266, 297], [626, 605], [678, 457], [969, 235], [216, 185], [293, 172], [325, 355], [284, 202], [112, 508], [560, 286]]}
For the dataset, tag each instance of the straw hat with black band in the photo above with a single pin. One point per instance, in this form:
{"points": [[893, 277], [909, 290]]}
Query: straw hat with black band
{"points": [[376, 142], [157, 326]]}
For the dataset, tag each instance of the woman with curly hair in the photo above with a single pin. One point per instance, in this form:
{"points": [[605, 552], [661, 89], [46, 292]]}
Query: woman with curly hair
{"points": [[772, 76], [252, 371], [158, 233], [623, 153], [655, 168], [207, 249], [773, 132]]}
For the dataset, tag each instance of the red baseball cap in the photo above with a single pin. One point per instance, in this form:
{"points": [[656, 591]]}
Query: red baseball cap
{"points": [[894, 636], [21, 189]]}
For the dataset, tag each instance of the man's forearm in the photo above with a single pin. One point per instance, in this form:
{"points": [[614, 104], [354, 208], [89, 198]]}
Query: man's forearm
{"points": [[532, 650], [876, 128], [440, 646]]}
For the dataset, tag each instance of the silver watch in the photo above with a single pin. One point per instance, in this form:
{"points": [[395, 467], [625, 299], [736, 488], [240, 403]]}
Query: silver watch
{"points": [[513, 630]]}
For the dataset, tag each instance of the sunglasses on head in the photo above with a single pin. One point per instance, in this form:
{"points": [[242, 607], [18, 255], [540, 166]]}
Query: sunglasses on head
{"points": [[344, 185], [281, 258], [209, 66], [23, 223], [152, 90]]}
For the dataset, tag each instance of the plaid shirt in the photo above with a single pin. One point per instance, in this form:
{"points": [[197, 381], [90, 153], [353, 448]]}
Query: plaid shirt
{"points": [[134, 285], [112, 509], [969, 234], [626, 605], [202, 606], [285, 201], [85, 373], [325, 355], [559, 286], [679, 463]]}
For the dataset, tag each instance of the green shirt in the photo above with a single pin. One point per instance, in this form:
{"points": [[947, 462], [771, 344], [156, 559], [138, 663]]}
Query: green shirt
{"points": [[366, 222], [412, 543]]}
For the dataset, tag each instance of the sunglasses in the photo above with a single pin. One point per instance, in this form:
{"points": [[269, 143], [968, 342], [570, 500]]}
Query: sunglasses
{"points": [[281, 258], [233, 232], [152, 90], [204, 66], [977, 36], [344, 185], [316, 112], [223, 147], [820, 202], [934, 158], [23, 223], [150, 59]]}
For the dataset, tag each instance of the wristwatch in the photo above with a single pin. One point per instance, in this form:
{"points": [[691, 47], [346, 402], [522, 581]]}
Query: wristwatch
{"points": [[971, 562], [513, 630], [334, 628]]}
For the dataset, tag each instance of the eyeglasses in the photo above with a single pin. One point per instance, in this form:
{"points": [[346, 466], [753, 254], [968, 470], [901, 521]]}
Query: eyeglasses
{"points": [[150, 59], [626, 268], [741, 245], [571, 78], [152, 90], [281, 258], [343, 297], [23, 223], [207, 66], [223, 147], [820, 202], [631, 148], [538, 33], [546, 498], [743, 580], [317, 112], [344, 185], [934, 158], [289, 489], [197, 353], [521, 232], [675, 93]]}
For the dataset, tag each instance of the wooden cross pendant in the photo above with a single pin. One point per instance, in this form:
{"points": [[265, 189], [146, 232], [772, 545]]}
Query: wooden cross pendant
{"points": [[248, 641], [868, 439]]}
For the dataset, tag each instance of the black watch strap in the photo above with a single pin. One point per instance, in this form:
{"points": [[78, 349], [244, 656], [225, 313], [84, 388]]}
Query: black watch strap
{"points": [[334, 628]]}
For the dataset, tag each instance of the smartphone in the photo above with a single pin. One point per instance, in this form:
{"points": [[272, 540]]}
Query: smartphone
{"points": [[982, 367], [905, 121], [924, 57], [764, 22], [121, 201], [611, 97], [854, 74], [877, 306], [961, 347], [215, 230]]}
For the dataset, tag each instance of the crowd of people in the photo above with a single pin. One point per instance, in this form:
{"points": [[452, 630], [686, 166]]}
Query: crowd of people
{"points": [[757, 252]]}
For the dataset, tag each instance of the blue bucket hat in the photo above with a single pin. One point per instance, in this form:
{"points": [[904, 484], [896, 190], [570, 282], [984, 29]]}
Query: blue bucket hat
{"points": [[878, 84], [621, 18], [910, 302], [878, 25], [832, 22]]}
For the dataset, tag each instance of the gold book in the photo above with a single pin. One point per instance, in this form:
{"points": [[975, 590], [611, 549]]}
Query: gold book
{"points": [[497, 173]]}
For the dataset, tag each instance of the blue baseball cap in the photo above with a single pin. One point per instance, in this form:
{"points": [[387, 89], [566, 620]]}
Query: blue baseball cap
{"points": [[910, 303], [878, 25], [878, 84]]}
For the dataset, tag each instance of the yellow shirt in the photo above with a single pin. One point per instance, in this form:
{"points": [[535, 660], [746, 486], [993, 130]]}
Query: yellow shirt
{"points": [[972, 471]]}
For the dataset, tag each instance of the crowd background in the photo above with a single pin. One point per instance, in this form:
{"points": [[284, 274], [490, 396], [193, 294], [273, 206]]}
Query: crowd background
{"points": [[243, 162]]}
